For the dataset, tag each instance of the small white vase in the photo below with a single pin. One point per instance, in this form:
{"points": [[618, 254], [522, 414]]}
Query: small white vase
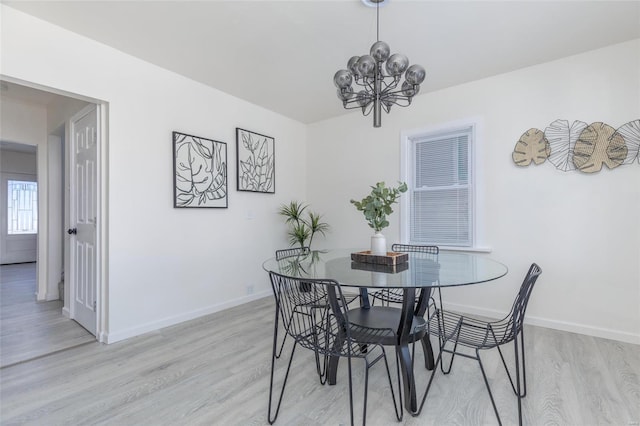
{"points": [[378, 244], [379, 279]]}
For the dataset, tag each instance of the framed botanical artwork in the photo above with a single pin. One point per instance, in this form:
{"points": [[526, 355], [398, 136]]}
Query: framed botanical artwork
{"points": [[256, 162], [200, 172]]}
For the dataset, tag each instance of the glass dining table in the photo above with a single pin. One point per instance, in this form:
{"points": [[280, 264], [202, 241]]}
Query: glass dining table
{"points": [[419, 271]]}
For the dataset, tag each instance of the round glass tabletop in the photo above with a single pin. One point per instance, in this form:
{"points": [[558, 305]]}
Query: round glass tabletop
{"points": [[445, 269]]}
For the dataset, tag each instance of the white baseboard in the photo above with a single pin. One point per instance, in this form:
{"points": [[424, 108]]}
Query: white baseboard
{"points": [[49, 296], [112, 337], [66, 313], [604, 333]]}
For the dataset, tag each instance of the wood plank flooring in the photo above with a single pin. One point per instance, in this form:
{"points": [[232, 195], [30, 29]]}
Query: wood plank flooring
{"points": [[215, 371], [29, 329]]}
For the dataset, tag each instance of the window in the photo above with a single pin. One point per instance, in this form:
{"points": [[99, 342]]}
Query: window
{"points": [[22, 205], [438, 168]]}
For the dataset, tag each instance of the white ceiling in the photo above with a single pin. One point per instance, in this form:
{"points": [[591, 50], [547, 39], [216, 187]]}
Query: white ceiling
{"points": [[282, 54]]}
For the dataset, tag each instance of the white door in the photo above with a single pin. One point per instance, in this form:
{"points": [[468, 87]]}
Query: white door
{"points": [[83, 163]]}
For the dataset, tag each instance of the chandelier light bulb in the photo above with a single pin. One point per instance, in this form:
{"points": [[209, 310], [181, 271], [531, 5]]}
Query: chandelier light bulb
{"points": [[365, 66], [380, 51], [342, 79], [351, 65], [415, 74], [397, 64]]}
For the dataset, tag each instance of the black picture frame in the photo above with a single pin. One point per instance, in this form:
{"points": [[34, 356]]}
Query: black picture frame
{"points": [[255, 162], [199, 172]]}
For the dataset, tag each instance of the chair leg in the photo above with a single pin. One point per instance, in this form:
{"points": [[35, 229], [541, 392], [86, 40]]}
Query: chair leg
{"points": [[399, 387], [321, 369], [284, 339], [399, 411], [524, 371], [426, 392], [486, 382], [366, 387], [397, 405], [520, 392], [350, 391], [453, 353], [284, 383], [442, 342]]}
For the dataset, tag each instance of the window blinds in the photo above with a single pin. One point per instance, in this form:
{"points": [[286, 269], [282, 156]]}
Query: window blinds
{"points": [[441, 190]]}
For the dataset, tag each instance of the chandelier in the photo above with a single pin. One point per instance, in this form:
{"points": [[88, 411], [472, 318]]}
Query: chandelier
{"points": [[378, 76]]}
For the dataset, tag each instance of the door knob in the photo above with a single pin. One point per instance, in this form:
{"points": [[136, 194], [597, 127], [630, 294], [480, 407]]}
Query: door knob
{"points": [[72, 231]]}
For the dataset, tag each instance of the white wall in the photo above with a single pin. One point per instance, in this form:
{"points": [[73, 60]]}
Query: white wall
{"points": [[55, 217], [165, 265], [25, 123], [582, 229], [60, 110]]}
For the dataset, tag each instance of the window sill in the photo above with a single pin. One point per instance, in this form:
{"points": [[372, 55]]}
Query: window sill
{"points": [[467, 249]]}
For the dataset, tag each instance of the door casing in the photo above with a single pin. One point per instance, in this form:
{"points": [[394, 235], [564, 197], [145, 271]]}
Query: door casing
{"points": [[102, 210]]}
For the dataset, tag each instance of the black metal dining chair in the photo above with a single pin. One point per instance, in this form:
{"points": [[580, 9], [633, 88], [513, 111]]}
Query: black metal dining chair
{"points": [[482, 335], [328, 333], [292, 255], [293, 251], [394, 295]]}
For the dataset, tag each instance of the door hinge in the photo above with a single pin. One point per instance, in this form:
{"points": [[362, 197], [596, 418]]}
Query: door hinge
{"points": [[94, 306]]}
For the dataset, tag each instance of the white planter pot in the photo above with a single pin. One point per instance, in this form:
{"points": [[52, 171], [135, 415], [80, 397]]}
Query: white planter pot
{"points": [[379, 279], [378, 244]]}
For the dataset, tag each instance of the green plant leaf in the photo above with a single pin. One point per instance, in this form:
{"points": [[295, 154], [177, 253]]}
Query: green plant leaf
{"points": [[293, 211], [377, 205], [302, 228]]}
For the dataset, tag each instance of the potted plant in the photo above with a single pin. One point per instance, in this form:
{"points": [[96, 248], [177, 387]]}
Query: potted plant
{"points": [[302, 227], [376, 207]]}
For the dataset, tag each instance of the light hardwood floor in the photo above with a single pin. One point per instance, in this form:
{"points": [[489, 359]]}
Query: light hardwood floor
{"points": [[29, 329], [215, 371]]}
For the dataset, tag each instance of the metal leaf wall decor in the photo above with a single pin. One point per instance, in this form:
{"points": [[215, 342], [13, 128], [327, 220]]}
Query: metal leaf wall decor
{"points": [[580, 146]]}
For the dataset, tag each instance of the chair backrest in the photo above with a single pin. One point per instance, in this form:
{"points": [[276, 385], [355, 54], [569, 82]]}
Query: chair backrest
{"points": [[317, 310], [519, 308], [427, 252], [294, 251], [415, 248]]}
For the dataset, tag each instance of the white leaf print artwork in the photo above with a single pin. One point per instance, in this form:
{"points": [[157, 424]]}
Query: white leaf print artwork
{"points": [[200, 172]]}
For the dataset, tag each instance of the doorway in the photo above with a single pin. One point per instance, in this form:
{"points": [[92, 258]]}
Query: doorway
{"points": [[53, 246]]}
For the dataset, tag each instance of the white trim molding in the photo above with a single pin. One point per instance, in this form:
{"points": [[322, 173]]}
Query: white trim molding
{"points": [[112, 337]]}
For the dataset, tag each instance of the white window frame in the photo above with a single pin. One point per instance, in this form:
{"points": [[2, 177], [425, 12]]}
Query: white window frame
{"points": [[408, 138]]}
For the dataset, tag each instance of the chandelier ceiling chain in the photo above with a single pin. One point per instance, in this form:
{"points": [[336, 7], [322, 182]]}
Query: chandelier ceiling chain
{"points": [[378, 75]]}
